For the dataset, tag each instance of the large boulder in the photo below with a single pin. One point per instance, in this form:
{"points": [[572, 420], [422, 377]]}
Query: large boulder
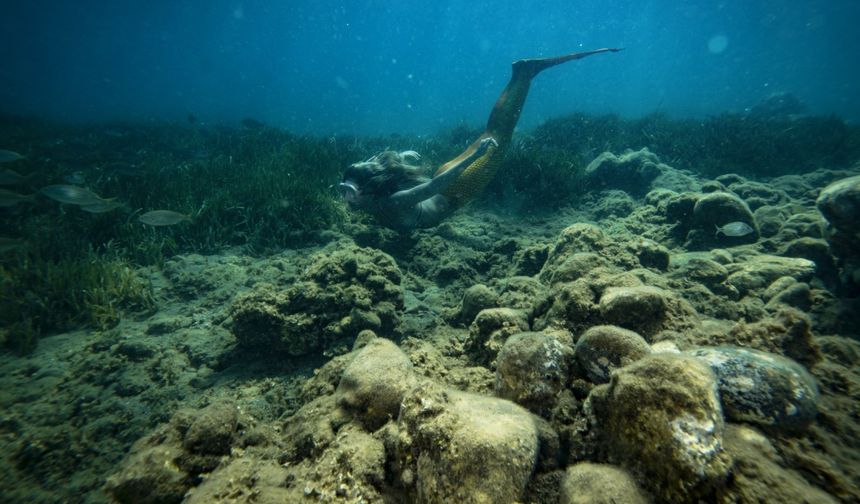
{"points": [[660, 418], [839, 203], [532, 368], [462, 447], [373, 384], [602, 349], [762, 388], [640, 308], [715, 210]]}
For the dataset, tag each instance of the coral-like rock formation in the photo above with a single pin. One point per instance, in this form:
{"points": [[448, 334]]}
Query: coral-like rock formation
{"points": [[339, 295]]}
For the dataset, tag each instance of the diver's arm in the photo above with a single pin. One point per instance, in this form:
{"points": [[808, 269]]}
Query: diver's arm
{"points": [[431, 211], [414, 195]]}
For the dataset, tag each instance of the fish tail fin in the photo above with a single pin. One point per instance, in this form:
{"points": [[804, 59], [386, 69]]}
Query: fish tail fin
{"points": [[535, 66], [718, 231]]}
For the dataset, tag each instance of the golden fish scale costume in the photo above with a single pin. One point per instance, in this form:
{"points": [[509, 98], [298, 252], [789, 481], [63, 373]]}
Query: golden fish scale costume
{"points": [[500, 126]]}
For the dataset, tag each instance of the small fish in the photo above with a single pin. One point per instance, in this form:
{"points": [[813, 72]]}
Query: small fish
{"points": [[9, 198], [7, 156], [11, 177], [734, 229], [163, 218], [105, 205], [71, 194]]}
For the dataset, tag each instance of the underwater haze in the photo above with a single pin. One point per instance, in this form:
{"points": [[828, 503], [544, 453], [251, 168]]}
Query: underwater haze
{"points": [[276, 251], [368, 67]]}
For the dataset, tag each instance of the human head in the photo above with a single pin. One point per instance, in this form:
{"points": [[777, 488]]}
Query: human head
{"points": [[379, 177]]}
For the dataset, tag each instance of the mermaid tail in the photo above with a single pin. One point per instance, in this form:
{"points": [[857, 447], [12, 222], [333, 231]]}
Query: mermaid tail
{"points": [[503, 119]]}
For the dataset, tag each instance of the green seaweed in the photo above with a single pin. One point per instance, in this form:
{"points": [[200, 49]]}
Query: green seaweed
{"points": [[39, 296]]}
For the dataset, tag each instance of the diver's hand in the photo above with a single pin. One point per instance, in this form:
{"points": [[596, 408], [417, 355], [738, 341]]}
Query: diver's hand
{"points": [[410, 154], [485, 145]]}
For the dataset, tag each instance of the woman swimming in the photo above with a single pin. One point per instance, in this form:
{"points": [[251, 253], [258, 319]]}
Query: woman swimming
{"points": [[392, 190]]}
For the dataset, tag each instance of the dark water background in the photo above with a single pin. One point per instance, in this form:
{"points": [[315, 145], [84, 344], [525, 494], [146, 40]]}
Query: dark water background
{"points": [[368, 67]]}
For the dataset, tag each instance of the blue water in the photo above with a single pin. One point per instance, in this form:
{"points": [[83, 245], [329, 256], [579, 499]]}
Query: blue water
{"points": [[396, 66]]}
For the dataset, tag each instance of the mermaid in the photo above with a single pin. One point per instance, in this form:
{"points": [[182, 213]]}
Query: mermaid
{"points": [[392, 190]]}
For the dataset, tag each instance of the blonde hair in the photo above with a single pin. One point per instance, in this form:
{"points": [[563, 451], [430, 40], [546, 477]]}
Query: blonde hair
{"points": [[386, 173]]}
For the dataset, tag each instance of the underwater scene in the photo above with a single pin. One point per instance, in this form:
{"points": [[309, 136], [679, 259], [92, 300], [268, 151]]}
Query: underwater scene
{"points": [[431, 252]]}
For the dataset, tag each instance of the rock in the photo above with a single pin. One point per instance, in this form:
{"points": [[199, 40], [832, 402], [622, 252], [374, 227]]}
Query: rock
{"points": [[309, 431], [660, 418], [777, 286], [651, 254], [612, 203], [698, 269], [728, 179], [216, 277], [573, 306], [212, 429], [149, 476], [363, 338], [476, 298], [587, 483], [762, 388], [641, 308], [816, 250], [759, 271], [797, 295], [522, 293], [491, 329], [262, 479], [839, 203], [712, 186], [632, 171], [787, 331], [602, 349], [660, 197], [576, 238], [802, 223], [465, 447], [679, 208], [340, 294], [575, 267], [717, 209], [760, 473], [757, 194], [530, 259], [373, 384], [550, 454], [770, 219], [532, 368]]}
